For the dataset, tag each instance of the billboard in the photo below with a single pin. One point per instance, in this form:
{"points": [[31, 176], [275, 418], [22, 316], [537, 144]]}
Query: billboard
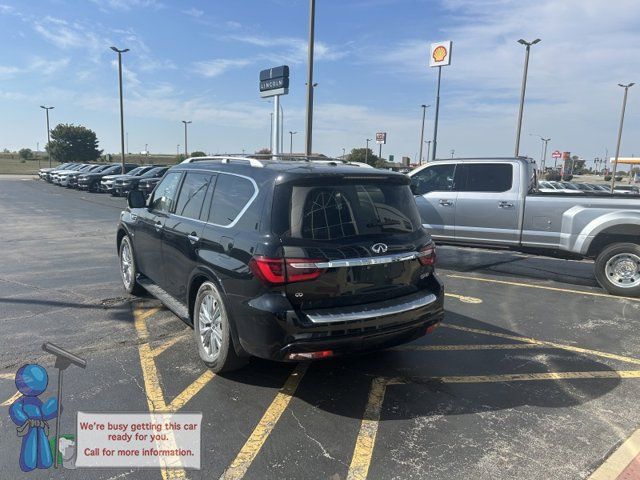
{"points": [[381, 138]]}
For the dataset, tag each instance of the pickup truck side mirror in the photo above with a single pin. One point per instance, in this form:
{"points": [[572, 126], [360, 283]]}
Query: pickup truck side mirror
{"points": [[135, 199]]}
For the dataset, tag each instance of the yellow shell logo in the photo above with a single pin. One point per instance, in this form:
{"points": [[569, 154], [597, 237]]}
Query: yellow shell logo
{"points": [[439, 54]]}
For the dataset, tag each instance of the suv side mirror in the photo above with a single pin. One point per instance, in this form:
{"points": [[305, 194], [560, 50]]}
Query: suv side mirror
{"points": [[414, 188], [135, 199]]}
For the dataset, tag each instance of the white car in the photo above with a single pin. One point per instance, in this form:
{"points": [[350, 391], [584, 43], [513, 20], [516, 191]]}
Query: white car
{"points": [[566, 187], [546, 187], [627, 190]]}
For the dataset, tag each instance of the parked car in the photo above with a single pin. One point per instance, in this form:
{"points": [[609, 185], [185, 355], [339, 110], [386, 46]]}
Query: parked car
{"points": [[62, 178], [42, 173], [147, 185], [66, 166], [627, 190], [283, 260], [91, 181], [494, 203], [72, 180], [107, 184], [547, 187], [125, 184]]}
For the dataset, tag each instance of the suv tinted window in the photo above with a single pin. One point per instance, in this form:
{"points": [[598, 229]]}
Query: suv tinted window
{"points": [[486, 177], [436, 178], [165, 193], [334, 212], [192, 193], [231, 195]]}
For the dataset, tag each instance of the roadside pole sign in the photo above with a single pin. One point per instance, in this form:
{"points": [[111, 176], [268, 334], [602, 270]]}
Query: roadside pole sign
{"points": [[557, 154], [274, 81], [440, 55], [381, 138]]}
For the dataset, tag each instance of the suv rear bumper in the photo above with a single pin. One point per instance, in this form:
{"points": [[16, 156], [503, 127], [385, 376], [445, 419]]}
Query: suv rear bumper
{"points": [[274, 330]]}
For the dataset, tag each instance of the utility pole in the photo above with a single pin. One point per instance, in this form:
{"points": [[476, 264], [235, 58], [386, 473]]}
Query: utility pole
{"points": [[624, 106], [48, 132], [120, 52], [186, 149], [366, 152], [291, 144], [428, 142], [522, 91], [424, 113], [310, 86]]}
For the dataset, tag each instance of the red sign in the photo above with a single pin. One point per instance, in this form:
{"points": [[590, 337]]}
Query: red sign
{"points": [[381, 137], [556, 154]]}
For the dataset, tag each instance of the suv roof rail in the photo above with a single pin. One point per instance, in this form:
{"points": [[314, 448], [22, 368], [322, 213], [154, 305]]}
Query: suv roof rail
{"points": [[259, 159], [226, 159]]}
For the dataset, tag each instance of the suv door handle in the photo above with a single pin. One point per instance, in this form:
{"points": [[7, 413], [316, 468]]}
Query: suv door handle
{"points": [[505, 204], [158, 226], [446, 203], [193, 238]]}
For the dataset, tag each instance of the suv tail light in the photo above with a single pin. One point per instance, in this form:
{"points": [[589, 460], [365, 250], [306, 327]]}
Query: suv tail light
{"points": [[280, 271], [428, 256]]}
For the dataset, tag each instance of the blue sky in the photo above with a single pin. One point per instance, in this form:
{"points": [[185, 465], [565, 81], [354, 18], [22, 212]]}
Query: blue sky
{"points": [[199, 61]]}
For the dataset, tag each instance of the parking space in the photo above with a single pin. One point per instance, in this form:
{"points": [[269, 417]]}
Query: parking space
{"points": [[534, 374]]}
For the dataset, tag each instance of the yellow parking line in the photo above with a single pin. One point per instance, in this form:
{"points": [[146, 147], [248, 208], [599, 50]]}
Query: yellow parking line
{"points": [[524, 377], [144, 313], [189, 392], [153, 390], [613, 466], [544, 287], [361, 459], [9, 401], [488, 346], [569, 348], [7, 376], [463, 298], [168, 344], [252, 447]]}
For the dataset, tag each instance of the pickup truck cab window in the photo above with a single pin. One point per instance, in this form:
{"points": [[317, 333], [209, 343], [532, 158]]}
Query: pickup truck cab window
{"points": [[165, 193], [192, 194], [434, 178], [485, 177]]}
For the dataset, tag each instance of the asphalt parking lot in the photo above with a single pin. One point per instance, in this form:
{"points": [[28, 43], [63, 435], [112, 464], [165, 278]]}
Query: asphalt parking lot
{"points": [[535, 373]]}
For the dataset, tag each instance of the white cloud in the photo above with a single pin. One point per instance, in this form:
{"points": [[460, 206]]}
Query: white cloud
{"points": [[66, 35], [193, 12], [47, 67], [213, 68], [8, 71], [126, 5], [290, 49]]}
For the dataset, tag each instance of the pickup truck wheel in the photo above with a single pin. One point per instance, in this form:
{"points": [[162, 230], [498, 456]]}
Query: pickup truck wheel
{"points": [[128, 269], [618, 269], [212, 331]]}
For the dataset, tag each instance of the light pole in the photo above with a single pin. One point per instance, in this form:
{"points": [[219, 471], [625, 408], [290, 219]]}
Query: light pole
{"points": [[424, 113], [344, 153], [120, 52], [271, 134], [366, 152], [310, 86], [543, 158], [48, 132], [291, 144], [524, 87], [453, 152], [624, 106], [428, 142], [178, 151], [186, 150]]}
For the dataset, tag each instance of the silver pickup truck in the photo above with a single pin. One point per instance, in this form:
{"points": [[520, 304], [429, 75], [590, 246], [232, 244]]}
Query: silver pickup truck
{"points": [[494, 202]]}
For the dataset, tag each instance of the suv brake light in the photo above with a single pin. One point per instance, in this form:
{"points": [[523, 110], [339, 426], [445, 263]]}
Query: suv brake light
{"points": [[280, 271], [428, 255]]}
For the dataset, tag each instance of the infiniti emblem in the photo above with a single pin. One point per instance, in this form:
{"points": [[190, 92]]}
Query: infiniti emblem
{"points": [[379, 248]]}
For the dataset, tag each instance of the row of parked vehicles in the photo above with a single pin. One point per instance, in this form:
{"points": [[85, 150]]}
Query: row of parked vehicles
{"points": [[573, 188], [105, 178]]}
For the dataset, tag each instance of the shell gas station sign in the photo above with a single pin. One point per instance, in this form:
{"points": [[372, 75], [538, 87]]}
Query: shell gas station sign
{"points": [[440, 55], [625, 160]]}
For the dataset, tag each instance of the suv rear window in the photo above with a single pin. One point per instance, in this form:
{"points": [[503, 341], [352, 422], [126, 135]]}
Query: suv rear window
{"points": [[333, 212]]}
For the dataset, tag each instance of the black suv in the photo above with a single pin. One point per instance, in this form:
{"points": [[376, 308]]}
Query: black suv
{"points": [[284, 260]]}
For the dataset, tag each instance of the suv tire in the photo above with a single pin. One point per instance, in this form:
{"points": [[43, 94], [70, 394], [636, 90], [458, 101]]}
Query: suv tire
{"points": [[617, 269], [128, 268], [212, 331]]}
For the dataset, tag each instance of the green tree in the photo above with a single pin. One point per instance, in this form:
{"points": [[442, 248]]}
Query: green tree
{"points": [[361, 155], [198, 153], [71, 143], [26, 154]]}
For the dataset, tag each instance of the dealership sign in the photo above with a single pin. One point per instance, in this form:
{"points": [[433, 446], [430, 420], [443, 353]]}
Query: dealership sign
{"points": [[274, 81], [440, 54]]}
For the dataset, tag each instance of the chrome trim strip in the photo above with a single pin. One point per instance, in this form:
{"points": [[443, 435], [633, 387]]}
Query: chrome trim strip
{"points": [[350, 316], [363, 262]]}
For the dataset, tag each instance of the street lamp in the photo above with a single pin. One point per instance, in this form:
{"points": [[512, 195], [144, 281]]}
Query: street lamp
{"points": [[178, 150], [291, 144], [624, 106], [344, 153], [543, 158], [366, 152], [310, 85], [524, 87], [428, 142], [424, 112], [120, 52], [48, 132], [453, 152], [186, 150]]}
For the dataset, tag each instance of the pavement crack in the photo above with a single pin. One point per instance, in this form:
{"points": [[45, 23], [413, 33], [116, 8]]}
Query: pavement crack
{"points": [[317, 442], [135, 380]]}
